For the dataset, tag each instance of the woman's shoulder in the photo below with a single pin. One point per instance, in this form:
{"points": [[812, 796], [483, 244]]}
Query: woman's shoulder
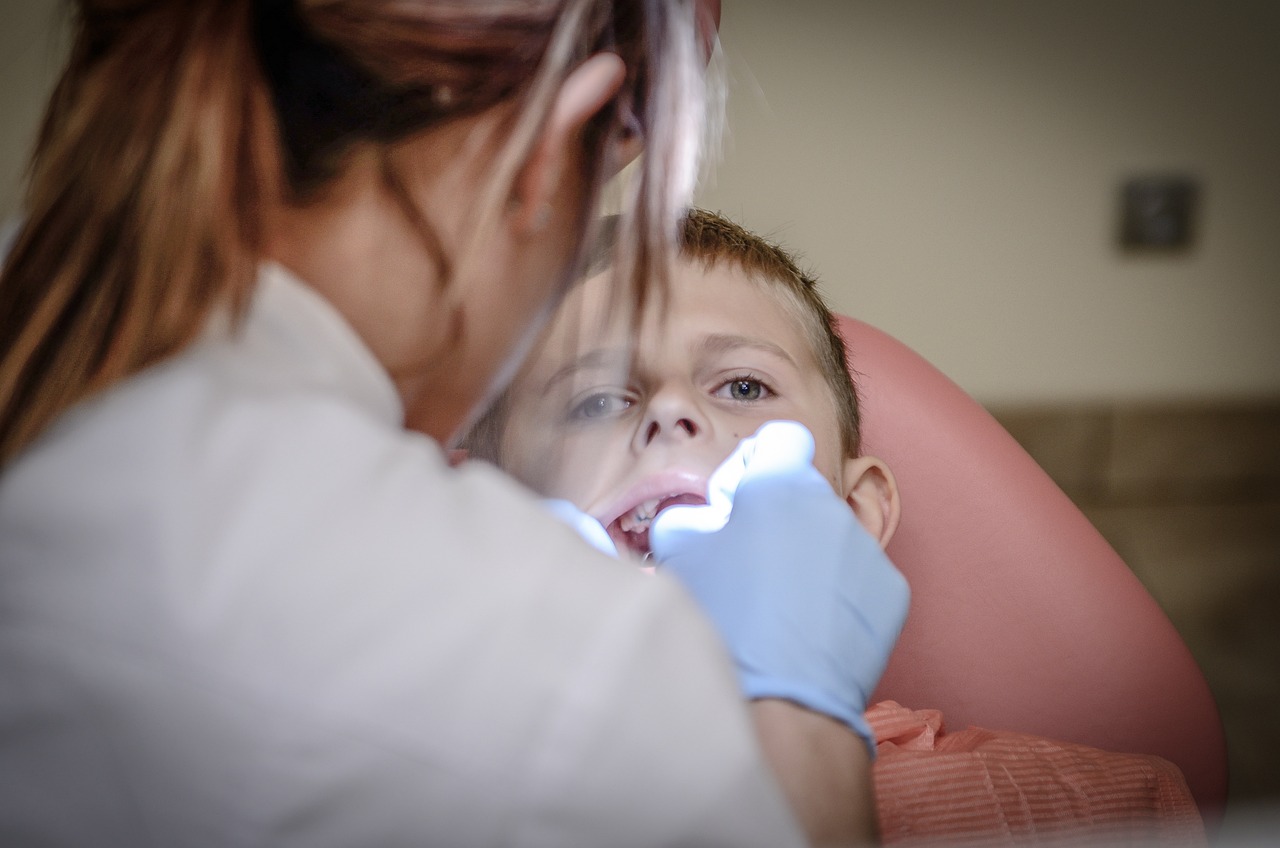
{"points": [[284, 564], [180, 480], [216, 454]]}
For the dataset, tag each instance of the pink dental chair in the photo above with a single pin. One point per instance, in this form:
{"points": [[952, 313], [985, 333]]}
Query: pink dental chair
{"points": [[1022, 617]]}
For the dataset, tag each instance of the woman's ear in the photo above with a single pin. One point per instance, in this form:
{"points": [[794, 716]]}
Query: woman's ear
{"points": [[707, 15], [872, 494], [585, 91]]}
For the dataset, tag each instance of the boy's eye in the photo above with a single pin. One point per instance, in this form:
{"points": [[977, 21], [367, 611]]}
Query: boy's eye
{"points": [[743, 388], [600, 405]]}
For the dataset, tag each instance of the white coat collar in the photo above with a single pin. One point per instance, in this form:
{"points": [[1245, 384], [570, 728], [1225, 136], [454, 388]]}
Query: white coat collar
{"points": [[293, 319]]}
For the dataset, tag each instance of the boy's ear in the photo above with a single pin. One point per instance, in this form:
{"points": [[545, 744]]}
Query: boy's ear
{"points": [[872, 494], [585, 91]]}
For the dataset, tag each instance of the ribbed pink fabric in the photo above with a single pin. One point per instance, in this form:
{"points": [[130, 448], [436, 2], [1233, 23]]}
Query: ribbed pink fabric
{"points": [[982, 787]]}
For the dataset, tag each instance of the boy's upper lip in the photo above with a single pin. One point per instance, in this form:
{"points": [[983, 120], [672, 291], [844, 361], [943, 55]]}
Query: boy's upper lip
{"points": [[657, 486]]}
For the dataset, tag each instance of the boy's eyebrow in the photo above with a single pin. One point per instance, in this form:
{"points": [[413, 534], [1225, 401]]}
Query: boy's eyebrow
{"points": [[618, 358], [716, 343], [598, 358]]}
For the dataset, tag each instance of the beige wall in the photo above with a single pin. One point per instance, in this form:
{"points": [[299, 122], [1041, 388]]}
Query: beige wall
{"points": [[950, 168], [31, 50]]}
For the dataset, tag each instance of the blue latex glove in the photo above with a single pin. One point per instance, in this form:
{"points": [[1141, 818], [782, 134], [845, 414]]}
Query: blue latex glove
{"points": [[809, 605], [588, 528]]}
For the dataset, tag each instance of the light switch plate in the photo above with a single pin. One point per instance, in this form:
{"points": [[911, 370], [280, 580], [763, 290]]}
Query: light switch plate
{"points": [[1158, 213]]}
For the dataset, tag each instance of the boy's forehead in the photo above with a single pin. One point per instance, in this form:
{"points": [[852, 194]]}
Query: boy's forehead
{"points": [[589, 314], [589, 319], [774, 299], [584, 326]]}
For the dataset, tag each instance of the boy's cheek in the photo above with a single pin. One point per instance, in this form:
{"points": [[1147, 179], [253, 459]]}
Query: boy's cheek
{"points": [[588, 465], [533, 457]]}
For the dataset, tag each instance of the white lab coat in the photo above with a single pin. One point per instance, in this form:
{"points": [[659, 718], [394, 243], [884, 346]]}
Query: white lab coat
{"points": [[239, 605]]}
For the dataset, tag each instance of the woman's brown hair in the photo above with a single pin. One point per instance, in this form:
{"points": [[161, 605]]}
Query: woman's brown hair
{"points": [[178, 122]]}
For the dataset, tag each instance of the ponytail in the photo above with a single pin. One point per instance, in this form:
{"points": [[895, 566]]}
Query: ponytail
{"points": [[155, 160]]}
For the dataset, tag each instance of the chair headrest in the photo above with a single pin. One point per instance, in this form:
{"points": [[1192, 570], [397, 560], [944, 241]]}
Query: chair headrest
{"points": [[1022, 616]]}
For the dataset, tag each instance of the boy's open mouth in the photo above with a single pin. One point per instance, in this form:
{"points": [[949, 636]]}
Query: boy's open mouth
{"points": [[630, 531]]}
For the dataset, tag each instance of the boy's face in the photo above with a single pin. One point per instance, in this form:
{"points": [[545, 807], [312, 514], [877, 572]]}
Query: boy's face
{"points": [[622, 440]]}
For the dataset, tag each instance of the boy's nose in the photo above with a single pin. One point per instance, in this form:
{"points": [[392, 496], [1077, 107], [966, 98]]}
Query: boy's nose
{"points": [[681, 426], [670, 417]]}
